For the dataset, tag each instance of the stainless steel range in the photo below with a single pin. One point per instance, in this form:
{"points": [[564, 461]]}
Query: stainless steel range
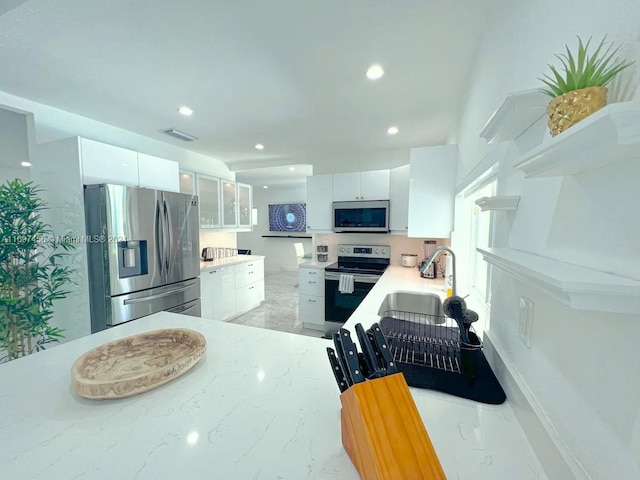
{"points": [[349, 280]]}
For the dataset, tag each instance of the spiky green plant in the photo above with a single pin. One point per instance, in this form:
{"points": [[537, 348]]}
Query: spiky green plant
{"points": [[32, 275], [583, 70]]}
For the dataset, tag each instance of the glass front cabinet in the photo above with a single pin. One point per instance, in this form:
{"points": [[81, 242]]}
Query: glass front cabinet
{"points": [[224, 204], [209, 199], [229, 204], [244, 206]]}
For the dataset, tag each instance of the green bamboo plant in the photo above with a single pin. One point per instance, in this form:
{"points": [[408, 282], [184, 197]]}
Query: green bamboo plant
{"points": [[32, 275], [584, 69]]}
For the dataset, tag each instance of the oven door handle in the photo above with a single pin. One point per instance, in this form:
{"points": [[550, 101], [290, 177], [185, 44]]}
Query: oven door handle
{"points": [[356, 278]]}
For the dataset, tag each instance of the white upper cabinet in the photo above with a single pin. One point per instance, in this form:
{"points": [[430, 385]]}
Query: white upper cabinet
{"points": [[158, 173], [244, 205], [319, 194], [432, 191], [373, 185], [103, 163], [187, 182], [209, 199], [399, 199], [229, 204]]}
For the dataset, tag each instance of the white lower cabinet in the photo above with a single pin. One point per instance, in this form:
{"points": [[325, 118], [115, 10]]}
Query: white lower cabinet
{"points": [[311, 297], [207, 288], [249, 285], [218, 293]]}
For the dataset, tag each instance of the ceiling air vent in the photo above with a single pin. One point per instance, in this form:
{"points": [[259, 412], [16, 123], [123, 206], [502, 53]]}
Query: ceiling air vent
{"points": [[178, 134]]}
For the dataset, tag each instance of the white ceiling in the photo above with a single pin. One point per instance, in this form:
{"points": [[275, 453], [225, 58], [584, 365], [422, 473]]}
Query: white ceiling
{"points": [[289, 74]]}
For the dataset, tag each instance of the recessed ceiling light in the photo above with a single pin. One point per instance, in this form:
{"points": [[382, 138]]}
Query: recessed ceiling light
{"points": [[259, 146], [291, 169], [392, 130], [185, 111], [25, 164], [264, 186], [375, 72]]}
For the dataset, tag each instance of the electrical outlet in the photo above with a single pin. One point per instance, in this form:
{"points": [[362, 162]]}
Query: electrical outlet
{"points": [[526, 320]]}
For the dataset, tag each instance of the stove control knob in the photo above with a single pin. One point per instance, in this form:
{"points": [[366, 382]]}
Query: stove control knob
{"points": [[377, 251], [383, 251], [341, 249]]}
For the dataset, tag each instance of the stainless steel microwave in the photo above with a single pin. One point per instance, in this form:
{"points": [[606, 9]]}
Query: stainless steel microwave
{"points": [[361, 216]]}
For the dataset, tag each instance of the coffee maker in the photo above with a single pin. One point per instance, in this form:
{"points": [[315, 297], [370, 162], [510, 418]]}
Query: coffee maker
{"points": [[429, 247]]}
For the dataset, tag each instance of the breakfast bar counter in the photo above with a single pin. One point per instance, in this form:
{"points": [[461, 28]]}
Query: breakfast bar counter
{"points": [[260, 405]]}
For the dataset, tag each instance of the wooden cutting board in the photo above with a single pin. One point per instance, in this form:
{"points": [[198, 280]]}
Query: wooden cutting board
{"points": [[136, 364]]}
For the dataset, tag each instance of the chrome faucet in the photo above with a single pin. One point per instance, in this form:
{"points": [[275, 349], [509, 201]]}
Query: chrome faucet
{"points": [[425, 265]]}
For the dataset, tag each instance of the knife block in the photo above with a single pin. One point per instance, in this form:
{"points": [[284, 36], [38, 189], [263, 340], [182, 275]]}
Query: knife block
{"points": [[383, 433]]}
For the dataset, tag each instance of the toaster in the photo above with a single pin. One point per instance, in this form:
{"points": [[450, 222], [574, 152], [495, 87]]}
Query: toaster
{"points": [[208, 254]]}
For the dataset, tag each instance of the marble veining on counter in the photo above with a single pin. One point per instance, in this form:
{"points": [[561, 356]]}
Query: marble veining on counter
{"points": [[226, 261], [260, 405]]}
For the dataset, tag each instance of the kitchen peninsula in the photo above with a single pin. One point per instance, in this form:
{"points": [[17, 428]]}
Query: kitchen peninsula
{"points": [[260, 405]]}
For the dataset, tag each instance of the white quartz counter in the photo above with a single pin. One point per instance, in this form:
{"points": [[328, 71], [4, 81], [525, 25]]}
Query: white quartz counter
{"points": [[226, 261], [260, 405]]}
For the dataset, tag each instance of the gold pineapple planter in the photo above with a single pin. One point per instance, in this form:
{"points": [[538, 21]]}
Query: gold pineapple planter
{"points": [[568, 109]]}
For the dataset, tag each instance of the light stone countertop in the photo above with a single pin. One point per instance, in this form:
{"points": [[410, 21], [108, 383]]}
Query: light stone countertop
{"points": [[226, 261], [261, 404], [395, 278]]}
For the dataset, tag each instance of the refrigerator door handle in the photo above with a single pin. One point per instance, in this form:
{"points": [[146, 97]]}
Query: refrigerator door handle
{"points": [[132, 301], [170, 237], [160, 236]]}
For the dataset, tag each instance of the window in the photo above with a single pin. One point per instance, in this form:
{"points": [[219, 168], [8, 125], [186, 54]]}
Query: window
{"points": [[481, 236]]}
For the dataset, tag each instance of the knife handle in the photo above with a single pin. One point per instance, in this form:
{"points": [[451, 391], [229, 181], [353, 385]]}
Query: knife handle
{"points": [[383, 349], [342, 362], [368, 354], [350, 353], [337, 370]]}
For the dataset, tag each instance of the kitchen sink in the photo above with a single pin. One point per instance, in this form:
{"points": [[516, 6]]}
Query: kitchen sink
{"points": [[427, 348], [425, 305]]}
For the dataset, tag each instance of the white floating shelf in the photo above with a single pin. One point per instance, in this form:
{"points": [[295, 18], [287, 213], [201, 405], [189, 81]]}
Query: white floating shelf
{"points": [[503, 203], [610, 135], [515, 115], [578, 287]]}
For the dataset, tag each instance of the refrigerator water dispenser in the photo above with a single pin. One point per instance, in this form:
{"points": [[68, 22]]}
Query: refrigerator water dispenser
{"points": [[132, 258]]}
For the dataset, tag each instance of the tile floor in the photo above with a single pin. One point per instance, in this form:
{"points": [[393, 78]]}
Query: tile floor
{"points": [[279, 311]]}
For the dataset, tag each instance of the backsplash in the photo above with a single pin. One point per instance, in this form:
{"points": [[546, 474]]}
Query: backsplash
{"points": [[217, 239], [399, 244]]}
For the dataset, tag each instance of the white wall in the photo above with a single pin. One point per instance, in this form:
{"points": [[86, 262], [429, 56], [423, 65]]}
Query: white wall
{"points": [[14, 147], [279, 252], [580, 373]]}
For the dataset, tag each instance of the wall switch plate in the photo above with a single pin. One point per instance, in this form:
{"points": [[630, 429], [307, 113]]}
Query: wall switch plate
{"points": [[526, 320]]}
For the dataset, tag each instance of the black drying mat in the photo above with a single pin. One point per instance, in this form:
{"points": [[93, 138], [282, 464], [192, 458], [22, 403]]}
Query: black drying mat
{"points": [[475, 382]]}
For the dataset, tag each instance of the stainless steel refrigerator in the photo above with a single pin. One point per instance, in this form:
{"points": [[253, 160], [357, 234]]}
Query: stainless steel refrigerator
{"points": [[143, 253]]}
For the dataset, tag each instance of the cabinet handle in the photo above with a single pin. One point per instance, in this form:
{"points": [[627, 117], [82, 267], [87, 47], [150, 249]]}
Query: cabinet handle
{"points": [[313, 273], [313, 281], [311, 301], [250, 265], [250, 288]]}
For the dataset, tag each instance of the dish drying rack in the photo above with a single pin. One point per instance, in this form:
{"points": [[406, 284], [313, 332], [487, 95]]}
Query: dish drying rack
{"points": [[431, 341]]}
